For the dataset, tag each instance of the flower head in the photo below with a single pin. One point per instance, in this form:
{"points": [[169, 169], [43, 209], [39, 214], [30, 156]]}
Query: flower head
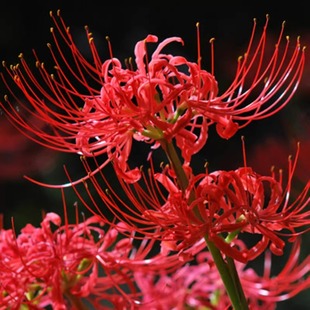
{"points": [[95, 107], [221, 206]]}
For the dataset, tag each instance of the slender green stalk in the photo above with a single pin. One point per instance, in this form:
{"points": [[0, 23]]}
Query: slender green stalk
{"points": [[227, 269], [229, 277], [237, 283], [175, 164], [74, 301]]}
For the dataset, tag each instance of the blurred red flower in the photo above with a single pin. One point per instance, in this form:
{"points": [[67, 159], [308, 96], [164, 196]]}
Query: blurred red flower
{"points": [[19, 155]]}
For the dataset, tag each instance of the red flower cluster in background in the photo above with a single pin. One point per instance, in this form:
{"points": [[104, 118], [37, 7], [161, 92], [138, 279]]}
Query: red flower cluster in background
{"points": [[103, 266]]}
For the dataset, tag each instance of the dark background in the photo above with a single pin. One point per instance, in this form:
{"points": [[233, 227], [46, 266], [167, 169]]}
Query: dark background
{"points": [[24, 25]]}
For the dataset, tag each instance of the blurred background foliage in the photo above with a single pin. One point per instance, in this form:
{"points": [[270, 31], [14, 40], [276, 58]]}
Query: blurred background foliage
{"points": [[24, 25]]}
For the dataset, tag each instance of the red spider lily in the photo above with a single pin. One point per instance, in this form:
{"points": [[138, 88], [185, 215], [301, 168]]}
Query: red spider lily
{"points": [[224, 204], [244, 201], [199, 285], [55, 264], [100, 107], [229, 202]]}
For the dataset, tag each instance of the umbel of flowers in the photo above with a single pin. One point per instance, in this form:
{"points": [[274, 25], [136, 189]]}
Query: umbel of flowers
{"points": [[163, 237]]}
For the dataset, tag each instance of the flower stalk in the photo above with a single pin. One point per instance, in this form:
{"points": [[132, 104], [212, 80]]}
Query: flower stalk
{"points": [[227, 270], [229, 277], [74, 301], [175, 163]]}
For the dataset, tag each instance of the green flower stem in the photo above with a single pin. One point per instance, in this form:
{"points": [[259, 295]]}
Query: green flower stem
{"points": [[175, 163], [177, 167], [237, 283], [74, 301], [229, 277], [227, 269]]}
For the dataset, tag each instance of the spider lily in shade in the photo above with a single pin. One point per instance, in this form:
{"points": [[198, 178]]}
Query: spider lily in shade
{"points": [[73, 265], [198, 286], [100, 107]]}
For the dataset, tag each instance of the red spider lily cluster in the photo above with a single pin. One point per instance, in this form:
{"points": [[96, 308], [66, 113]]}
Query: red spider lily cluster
{"points": [[163, 237], [58, 264], [54, 264]]}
